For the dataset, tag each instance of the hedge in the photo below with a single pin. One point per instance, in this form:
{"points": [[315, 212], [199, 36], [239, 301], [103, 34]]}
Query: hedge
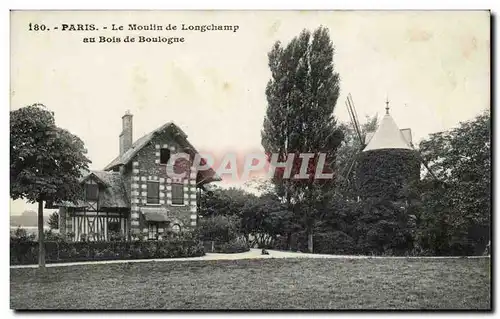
{"points": [[26, 252], [232, 247]]}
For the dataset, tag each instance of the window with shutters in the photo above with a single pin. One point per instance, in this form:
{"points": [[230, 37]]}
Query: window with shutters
{"points": [[153, 196], [177, 194]]}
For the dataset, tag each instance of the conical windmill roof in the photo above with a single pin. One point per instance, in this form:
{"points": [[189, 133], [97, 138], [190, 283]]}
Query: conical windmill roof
{"points": [[387, 136]]}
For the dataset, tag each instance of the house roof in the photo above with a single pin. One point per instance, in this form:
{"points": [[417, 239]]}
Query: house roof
{"points": [[387, 136], [112, 195], [115, 195], [126, 157], [99, 176], [203, 177]]}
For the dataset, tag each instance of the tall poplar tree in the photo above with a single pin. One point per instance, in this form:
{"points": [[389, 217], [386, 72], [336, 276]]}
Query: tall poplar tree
{"points": [[301, 96]]}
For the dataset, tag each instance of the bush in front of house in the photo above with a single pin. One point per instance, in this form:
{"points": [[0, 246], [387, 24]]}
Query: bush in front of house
{"points": [[24, 252], [234, 246], [20, 234]]}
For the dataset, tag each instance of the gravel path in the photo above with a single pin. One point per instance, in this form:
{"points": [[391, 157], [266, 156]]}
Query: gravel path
{"points": [[252, 254]]}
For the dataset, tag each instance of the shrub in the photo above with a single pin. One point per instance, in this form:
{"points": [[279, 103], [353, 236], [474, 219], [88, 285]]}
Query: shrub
{"points": [[218, 228], [117, 236], [70, 235], [26, 252], [233, 246], [335, 242], [50, 235], [23, 252], [20, 234]]}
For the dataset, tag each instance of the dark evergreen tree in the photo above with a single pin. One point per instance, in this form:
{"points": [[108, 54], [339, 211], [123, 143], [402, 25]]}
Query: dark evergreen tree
{"points": [[301, 95], [53, 221]]}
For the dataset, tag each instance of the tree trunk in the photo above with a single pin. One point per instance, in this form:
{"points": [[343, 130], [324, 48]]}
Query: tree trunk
{"points": [[310, 240], [62, 221], [309, 220], [288, 241], [290, 209], [41, 239]]}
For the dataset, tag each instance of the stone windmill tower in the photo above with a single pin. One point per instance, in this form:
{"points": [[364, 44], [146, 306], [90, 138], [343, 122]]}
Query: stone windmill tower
{"points": [[388, 164]]}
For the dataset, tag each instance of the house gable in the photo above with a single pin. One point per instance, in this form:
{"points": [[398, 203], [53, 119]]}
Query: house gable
{"points": [[149, 155], [169, 133], [176, 198]]}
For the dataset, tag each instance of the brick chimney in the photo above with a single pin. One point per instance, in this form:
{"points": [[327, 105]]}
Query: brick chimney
{"points": [[126, 134]]}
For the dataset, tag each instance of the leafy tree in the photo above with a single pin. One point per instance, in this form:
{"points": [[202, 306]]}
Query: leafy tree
{"points": [[53, 221], [218, 228], [265, 218], [45, 161], [225, 202], [301, 95], [259, 219], [456, 210]]}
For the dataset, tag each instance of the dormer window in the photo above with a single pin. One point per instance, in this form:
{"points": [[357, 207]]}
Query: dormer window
{"points": [[91, 190], [164, 156]]}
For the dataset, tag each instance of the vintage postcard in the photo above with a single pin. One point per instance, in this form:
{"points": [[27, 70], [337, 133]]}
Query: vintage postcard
{"points": [[250, 160]]}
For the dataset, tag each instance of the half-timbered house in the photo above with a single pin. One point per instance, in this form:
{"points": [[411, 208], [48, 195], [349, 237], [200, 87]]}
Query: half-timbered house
{"points": [[134, 195]]}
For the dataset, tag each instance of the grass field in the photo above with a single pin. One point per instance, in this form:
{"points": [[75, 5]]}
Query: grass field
{"points": [[259, 284]]}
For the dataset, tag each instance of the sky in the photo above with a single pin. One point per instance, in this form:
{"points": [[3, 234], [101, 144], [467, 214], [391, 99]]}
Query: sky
{"points": [[434, 66]]}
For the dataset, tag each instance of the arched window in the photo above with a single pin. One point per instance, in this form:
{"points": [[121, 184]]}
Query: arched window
{"points": [[176, 228]]}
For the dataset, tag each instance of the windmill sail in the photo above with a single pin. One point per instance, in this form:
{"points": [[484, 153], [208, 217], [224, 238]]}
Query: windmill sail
{"points": [[353, 115], [355, 112]]}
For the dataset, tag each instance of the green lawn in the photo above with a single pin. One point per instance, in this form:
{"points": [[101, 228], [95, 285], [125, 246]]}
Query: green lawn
{"points": [[259, 284]]}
